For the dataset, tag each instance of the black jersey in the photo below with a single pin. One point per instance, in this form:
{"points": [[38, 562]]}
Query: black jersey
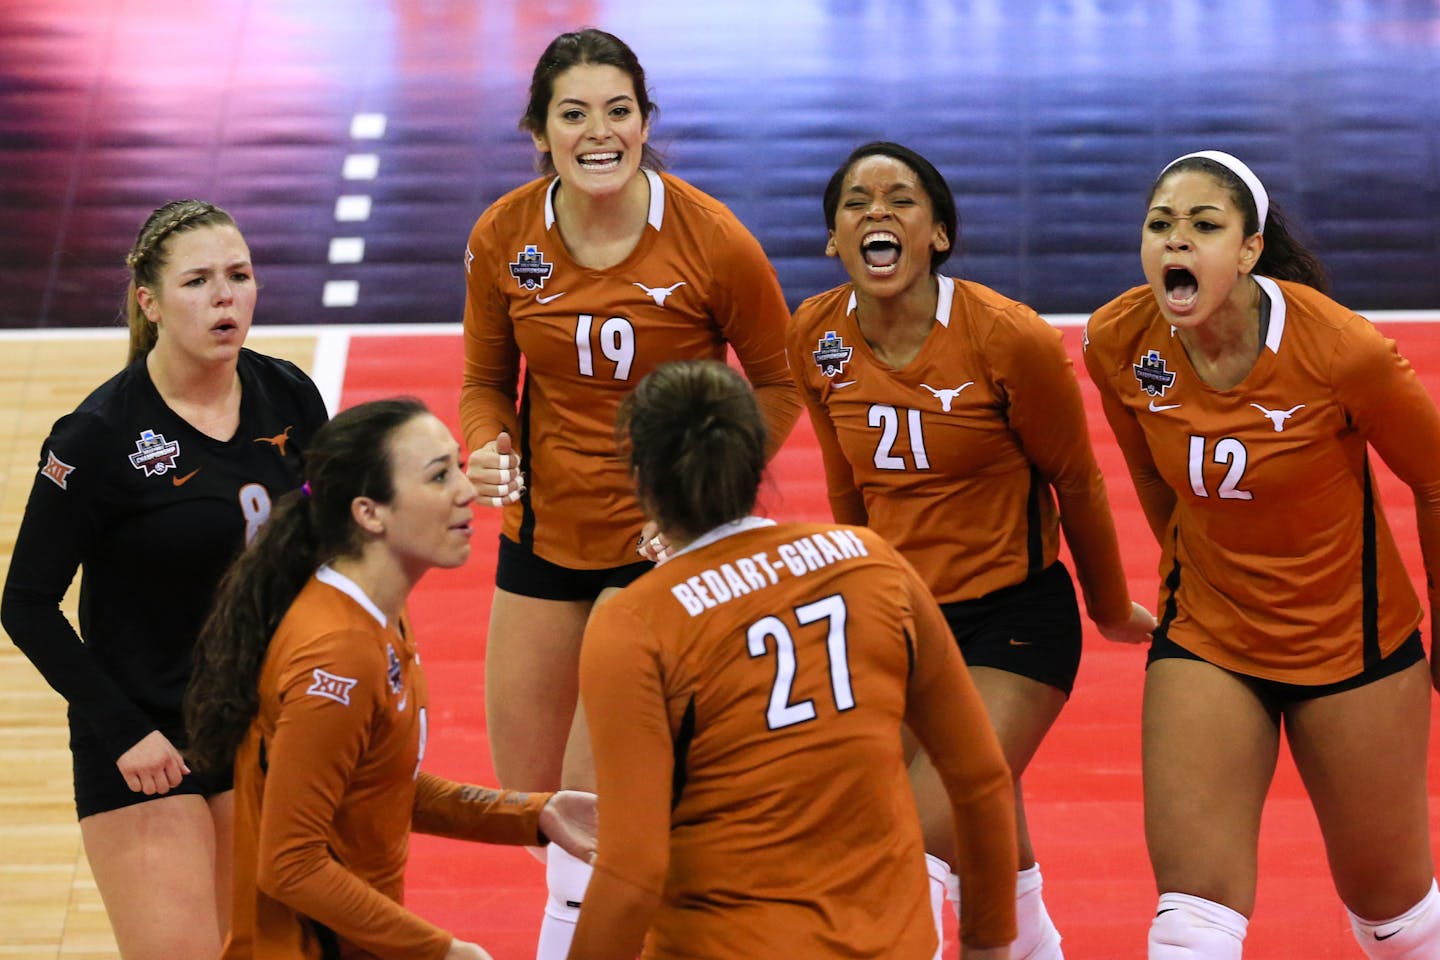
{"points": [[153, 511]]}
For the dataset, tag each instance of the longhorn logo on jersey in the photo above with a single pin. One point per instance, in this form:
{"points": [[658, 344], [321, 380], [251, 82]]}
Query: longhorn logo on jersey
{"points": [[1151, 373], [948, 395], [530, 269], [832, 354], [1278, 417], [154, 454], [659, 294], [279, 440]]}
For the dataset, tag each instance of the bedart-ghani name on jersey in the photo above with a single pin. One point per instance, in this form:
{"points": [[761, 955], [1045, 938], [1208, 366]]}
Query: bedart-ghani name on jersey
{"points": [[716, 585]]}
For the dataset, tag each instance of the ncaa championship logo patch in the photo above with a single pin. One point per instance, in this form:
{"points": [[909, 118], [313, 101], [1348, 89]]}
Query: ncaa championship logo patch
{"points": [[154, 454], [832, 354], [1154, 379], [393, 674], [530, 269]]}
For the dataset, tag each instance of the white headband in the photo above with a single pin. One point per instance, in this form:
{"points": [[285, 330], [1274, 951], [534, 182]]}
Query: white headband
{"points": [[1246, 175]]}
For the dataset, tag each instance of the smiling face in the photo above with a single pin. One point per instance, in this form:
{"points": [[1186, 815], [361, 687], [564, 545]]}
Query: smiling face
{"points": [[427, 521], [1194, 249], [594, 130], [885, 227], [204, 300]]}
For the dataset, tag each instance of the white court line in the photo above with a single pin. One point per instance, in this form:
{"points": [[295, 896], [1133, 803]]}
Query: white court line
{"points": [[332, 349]]}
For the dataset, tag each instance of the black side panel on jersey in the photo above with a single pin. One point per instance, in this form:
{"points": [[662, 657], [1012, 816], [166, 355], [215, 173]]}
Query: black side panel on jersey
{"points": [[1369, 588], [527, 517], [683, 738], [1034, 542], [329, 942], [1172, 587]]}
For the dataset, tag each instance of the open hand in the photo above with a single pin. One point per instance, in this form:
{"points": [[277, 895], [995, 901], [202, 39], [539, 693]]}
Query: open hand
{"points": [[570, 820]]}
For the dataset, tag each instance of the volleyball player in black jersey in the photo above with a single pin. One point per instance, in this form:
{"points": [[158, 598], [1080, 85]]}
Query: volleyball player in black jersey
{"points": [[150, 487]]}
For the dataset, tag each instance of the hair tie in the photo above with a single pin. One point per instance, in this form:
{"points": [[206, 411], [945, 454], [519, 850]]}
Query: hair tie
{"points": [[1237, 167], [305, 489]]}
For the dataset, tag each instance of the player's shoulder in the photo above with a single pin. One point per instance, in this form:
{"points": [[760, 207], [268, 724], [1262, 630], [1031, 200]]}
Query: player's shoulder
{"points": [[325, 623], [114, 408], [991, 314], [1123, 319], [821, 308], [688, 200], [274, 371], [513, 211]]}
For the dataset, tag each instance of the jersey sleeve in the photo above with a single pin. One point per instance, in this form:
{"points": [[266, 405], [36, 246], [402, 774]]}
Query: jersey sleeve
{"points": [[847, 503], [1386, 402], [317, 744], [62, 520], [751, 311], [1156, 498], [489, 390], [624, 702], [464, 812], [1048, 415], [945, 712]]}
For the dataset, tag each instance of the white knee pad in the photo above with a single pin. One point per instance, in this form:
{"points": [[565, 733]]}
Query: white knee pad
{"points": [[1192, 928], [939, 872], [1414, 935], [1037, 938], [566, 878]]}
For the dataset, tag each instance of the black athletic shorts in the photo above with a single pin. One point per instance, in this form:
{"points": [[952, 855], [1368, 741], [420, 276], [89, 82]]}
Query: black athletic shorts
{"points": [[99, 786], [1031, 628], [1277, 695], [519, 570]]}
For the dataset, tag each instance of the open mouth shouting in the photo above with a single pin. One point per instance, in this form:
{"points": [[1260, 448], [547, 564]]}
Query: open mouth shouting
{"points": [[1181, 288], [881, 252]]}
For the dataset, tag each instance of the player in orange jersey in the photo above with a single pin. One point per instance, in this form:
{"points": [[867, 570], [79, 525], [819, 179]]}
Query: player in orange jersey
{"points": [[746, 701], [594, 274], [1246, 403], [308, 682], [951, 424]]}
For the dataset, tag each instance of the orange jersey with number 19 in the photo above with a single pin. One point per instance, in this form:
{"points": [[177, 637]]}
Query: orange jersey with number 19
{"points": [[696, 280], [745, 702], [1277, 560]]}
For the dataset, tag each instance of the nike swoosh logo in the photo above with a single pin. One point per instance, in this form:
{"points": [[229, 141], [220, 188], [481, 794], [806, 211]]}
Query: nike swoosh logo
{"points": [[1163, 406], [181, 481], [553, 296], [842, 384], [1387, 936], [1020, 643]]}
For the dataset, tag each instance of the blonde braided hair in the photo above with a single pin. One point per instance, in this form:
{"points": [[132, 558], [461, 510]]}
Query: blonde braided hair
{"points": [[146, 260]]}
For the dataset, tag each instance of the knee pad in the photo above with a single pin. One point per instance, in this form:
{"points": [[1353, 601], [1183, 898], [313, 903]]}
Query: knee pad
{"points": [[1037, 938], [939, 872], [566, 878], [1193, 928], [1414, 935]]}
